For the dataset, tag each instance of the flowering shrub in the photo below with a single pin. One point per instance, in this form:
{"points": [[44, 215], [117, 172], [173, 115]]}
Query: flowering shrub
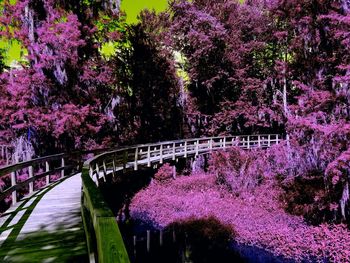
{"points": [[164, 173], [257, 218], [239, 170]]}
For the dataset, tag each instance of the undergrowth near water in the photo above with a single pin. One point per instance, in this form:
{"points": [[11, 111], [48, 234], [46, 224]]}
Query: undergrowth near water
{"points": [[257, 217]]}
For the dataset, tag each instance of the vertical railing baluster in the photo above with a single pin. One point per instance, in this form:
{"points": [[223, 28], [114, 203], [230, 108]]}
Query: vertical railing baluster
{"points": [[134, 243], [161, 237], [197, 147], [47, 169], [91, 171], [174, 151], [136, 157], [97, 173], [104, 170], [125, 159], [148, 240], [185, 149], [62, 165], [161, 154], [31, 174], [269, 140], [211, 144], [114, 166], [13, 183], [224, 142], [149, 156], [259, 143], [277, 139], [248, 142]]}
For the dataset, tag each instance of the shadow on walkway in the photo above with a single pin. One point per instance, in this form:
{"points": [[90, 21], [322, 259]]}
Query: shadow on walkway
{"points": [[63, 243]]}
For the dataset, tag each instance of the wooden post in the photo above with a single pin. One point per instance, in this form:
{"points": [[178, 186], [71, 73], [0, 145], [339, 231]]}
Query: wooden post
{"points": [[136, 156], [148, 240], [248, 142], [167, 151], [104, 170], [97, 173], [211, 144], [62, 165], [13, 183], [161, 237], [161, 154], [125, 159], [149, 156], [91, 171], [224, 142], [197, 147], [259, 144], [277, 139], [185, 149], [47, 168], [174, 149], [31, 184], [174, 171], [134, 243], [269, 140], [114, 167]]}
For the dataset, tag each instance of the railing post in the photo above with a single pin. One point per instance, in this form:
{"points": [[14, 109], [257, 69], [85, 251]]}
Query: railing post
{"points": [[197, 147], [269, 140], [149, 156], [62, 165], [47, 169], [211, 144], [114, 167], [148, 240], [224, 142], [125, 159], [104, 170], [31, 174], [277, 139], [174, 151], [161, 154], [185, 149], [248, 142], [134, 243], [13, 183], [97, 173], [161, 237], [91, 171], [136, 157], [259, 144]]}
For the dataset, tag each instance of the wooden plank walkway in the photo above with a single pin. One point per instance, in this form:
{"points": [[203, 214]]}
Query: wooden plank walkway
{"points": [[46, 226]]}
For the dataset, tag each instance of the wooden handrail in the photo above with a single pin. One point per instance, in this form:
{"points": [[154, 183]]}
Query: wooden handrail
{"points": [[99, 222], [108, 245], [45, 161]]}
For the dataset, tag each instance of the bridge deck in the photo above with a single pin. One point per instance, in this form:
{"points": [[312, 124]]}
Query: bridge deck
{"points": [[46, 226]]}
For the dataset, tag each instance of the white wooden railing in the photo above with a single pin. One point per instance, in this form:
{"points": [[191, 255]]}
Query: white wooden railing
{"points": [[149, 154], [5, 153]]}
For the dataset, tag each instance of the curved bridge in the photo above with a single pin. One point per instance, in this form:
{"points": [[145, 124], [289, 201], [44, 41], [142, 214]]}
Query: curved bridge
{"points": [[59, 222]]}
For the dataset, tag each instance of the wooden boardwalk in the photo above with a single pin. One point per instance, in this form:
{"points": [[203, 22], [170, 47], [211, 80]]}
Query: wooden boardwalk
{"points": [[46, 226]]}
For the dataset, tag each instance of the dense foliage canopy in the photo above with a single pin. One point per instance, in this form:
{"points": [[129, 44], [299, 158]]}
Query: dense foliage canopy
{"points": [[200, 68]]}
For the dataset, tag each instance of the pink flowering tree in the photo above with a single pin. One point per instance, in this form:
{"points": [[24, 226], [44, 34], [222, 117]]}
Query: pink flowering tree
{"points": [[59, 97]]}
